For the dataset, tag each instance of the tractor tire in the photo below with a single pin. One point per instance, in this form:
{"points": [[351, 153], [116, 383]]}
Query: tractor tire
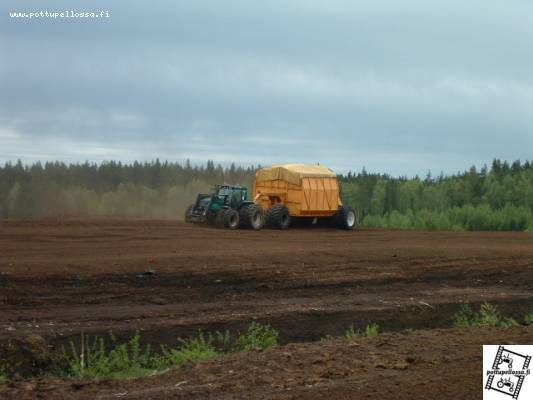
{"points": [[188, 213], [346, 218], [231, 219], [218, 220], [251, 217], [278, 217]]}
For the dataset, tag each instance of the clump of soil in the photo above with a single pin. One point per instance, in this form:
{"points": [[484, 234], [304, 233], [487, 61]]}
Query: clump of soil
{"points": [[25, 356]]}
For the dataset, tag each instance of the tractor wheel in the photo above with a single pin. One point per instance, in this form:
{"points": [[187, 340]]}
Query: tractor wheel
{"points": [[231, 219], [251, 217], [346, 218], [278, 217], [218, 221], [188, 213]]}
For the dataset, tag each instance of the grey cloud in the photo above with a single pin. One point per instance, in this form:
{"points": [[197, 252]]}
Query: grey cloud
{"points": [[400, 87]]}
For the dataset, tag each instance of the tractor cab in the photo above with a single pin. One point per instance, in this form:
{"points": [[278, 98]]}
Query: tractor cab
{"points": [[231, 196]]}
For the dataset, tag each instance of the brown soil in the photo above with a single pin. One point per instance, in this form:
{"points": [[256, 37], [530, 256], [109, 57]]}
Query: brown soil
{"points": [[58, 279], [436, 364]]}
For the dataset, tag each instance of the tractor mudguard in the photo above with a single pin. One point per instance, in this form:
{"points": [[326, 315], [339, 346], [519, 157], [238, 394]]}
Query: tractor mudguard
{"points": [[245, 203]]}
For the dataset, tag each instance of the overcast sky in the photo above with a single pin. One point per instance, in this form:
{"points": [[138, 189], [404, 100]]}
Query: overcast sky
{"points": [[401, 87]]}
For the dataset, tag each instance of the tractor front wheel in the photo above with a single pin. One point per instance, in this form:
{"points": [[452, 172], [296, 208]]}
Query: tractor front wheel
{"points": [[231, 219], [278, 217]]}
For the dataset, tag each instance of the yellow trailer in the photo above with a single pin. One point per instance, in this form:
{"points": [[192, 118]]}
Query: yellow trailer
{"points": [[302, 192]]}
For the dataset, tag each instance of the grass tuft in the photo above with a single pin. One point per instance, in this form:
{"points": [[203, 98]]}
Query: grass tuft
{"points": [[371, 330], [91, 360], [487, 316], [257, 336], [192, 349]]}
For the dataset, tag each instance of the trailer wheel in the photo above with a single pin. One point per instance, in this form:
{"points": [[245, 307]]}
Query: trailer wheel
{"points": [[278, 217], [230, 218], [346, 218], [251, 216]]}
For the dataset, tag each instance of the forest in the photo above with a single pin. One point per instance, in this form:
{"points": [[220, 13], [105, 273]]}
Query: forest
{"points": [[499, 197]]}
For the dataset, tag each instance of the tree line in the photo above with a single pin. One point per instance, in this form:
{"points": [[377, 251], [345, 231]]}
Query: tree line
{"points": [[495, 198], [151, 189]]}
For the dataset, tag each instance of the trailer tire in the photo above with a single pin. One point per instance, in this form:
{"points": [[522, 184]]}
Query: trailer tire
{"points": [[278, 217], [346, 218]]}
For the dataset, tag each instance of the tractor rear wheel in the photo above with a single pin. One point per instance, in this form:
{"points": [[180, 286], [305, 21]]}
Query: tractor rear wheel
{"points": [[278, 217], [231, 219], [251, 216], [346, 218]]}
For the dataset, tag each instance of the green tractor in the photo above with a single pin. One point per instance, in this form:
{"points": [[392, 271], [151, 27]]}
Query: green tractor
{"points": [[228, 207]]}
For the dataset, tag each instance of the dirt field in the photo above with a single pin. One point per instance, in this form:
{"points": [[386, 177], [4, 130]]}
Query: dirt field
{"points": [[58, 279]]}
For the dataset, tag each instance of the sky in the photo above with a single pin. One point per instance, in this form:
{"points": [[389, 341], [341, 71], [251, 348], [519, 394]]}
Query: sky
{"points": [[398, 87]]}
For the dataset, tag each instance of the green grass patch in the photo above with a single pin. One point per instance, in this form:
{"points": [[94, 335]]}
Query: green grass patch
{"points": [[192, 349], [528, 319], [371, 330], [3, 376], [91, 358], [257, 336], [488, 315]]}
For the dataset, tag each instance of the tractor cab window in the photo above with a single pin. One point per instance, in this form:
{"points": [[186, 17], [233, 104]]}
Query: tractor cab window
{"points": [[231, 196], [223, 192]]}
